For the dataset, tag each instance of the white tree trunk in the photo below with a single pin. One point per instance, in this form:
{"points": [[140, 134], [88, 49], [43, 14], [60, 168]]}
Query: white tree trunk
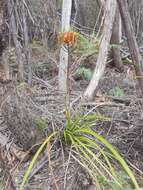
{"points": [[63, 65], [110, 6]]}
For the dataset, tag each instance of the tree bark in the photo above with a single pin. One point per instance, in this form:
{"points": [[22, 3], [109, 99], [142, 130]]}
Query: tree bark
{"points": [[3, 44], [63, 65], [2, 19], [5, 63], [115, 40], [14, 33], [1, 22], [103, 49], [132, 43], [26, 44]]}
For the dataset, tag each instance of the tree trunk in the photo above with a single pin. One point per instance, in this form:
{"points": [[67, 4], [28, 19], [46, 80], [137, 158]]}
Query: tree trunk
{"points": [[132, 43], [14, 33], [63, 65], [5, 63], [103, 49], [1, 22], [26, 43], [3, 54], [115, 40]]}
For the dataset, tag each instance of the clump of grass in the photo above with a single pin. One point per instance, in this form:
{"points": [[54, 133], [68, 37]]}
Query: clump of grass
{"points": [[92, 151]]}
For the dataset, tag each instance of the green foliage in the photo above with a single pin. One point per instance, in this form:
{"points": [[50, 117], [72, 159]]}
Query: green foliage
{"points": [[116, 92], [84, 73], [91, 151], [122, 177], [89, 45], [41, 123], [34, 159], [86, 45]]}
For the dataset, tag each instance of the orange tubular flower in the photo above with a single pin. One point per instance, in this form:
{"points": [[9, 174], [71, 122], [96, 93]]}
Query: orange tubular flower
{"points": [[68, 38]]}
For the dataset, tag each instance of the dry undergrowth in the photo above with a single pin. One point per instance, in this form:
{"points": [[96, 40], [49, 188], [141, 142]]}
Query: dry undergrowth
{"points": [[22, 105]]}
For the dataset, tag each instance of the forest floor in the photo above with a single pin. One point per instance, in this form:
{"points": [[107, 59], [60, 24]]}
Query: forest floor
{"points": [[118, 98]]}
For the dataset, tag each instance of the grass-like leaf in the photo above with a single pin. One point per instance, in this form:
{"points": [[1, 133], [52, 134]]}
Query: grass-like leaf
{"points": [[34, 159], [113, 151], [88, 143]]}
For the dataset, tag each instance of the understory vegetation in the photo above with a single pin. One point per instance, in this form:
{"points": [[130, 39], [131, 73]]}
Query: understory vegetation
{"points": [[71, 88]]}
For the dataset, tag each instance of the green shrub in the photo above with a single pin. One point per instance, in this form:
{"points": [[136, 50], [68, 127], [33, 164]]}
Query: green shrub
{"points": [[84, 73], [116, 92]]}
